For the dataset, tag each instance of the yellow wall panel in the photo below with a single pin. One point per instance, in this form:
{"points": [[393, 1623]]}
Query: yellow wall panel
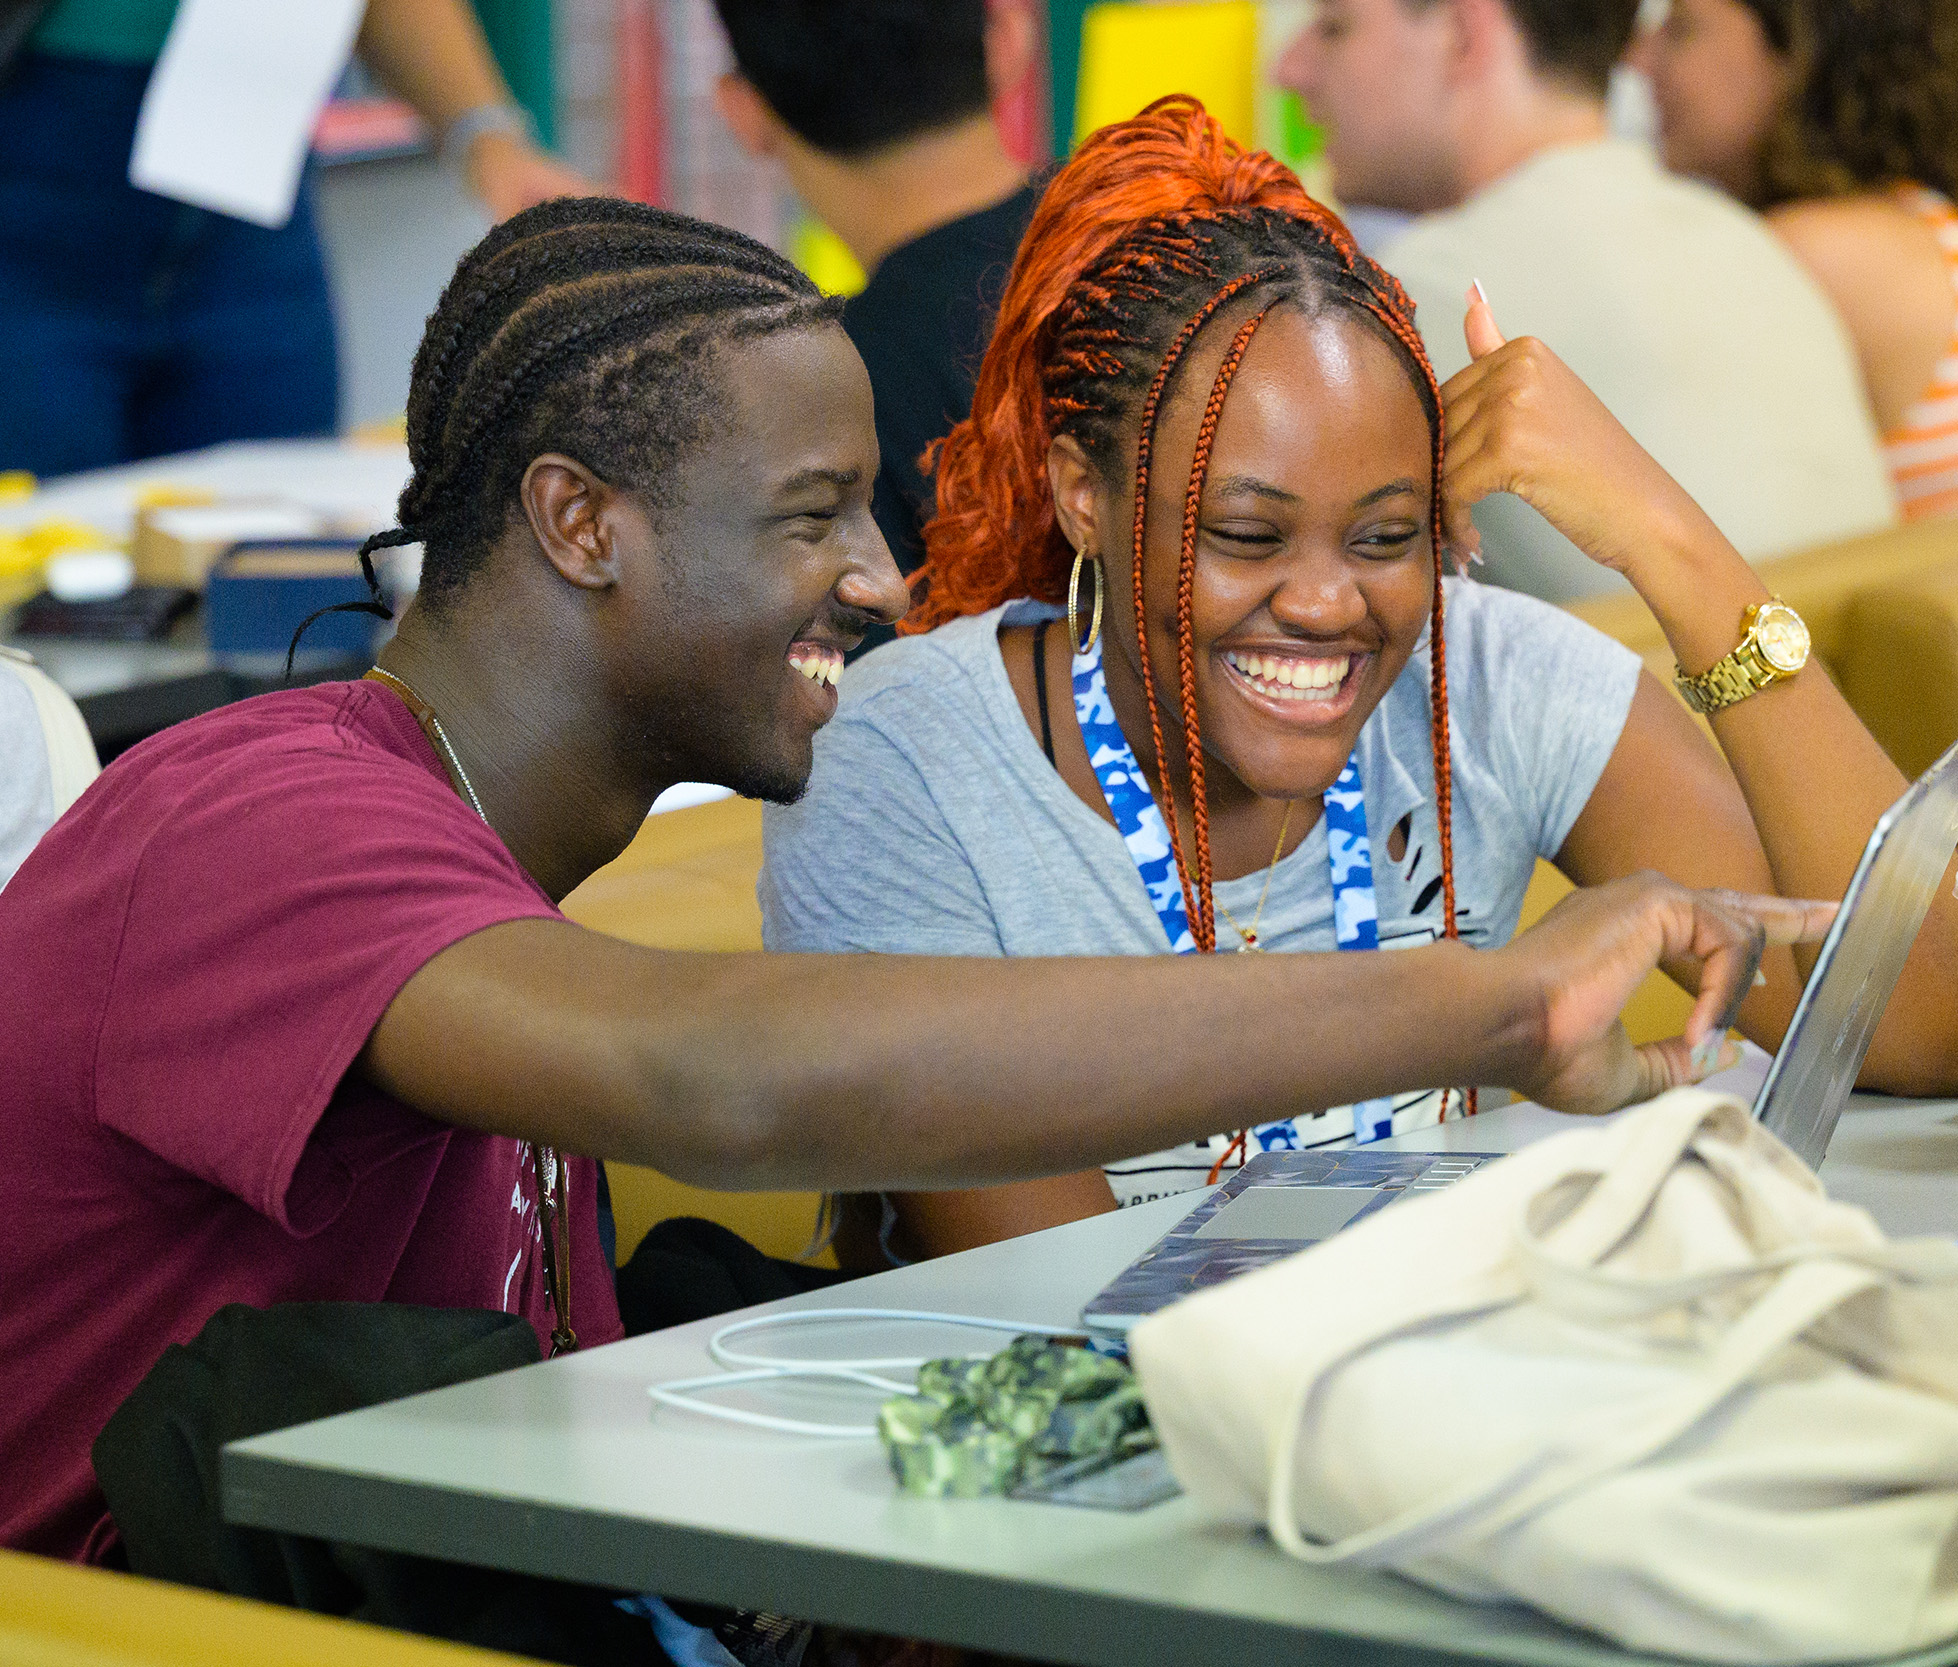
{"points": [[1132, 55]]}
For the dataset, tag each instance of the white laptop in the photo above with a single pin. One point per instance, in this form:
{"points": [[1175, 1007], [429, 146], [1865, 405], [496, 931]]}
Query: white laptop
{"points": [[1903, 865]]}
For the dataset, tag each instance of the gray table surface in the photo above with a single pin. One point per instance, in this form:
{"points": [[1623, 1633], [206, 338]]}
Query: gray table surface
{"points": [[564, 1470]]}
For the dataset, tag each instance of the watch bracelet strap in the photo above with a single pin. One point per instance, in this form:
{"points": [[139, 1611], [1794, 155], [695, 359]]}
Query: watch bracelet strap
{"points": [[1730, 679], [479, 119]]}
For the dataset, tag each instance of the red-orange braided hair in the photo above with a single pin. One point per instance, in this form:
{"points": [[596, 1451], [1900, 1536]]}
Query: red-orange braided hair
{"points": [[1154, 228]]}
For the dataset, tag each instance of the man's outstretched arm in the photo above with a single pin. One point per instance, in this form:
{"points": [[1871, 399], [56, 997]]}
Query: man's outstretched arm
{"points": [[903, 1072]]}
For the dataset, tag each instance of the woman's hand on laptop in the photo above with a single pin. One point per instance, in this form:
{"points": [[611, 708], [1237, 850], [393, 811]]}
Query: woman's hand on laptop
{"points": [[1519, 420], [1592, 951]]}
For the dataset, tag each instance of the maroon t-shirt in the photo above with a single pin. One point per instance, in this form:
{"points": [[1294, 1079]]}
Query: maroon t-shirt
{"points": [[189, 963]]}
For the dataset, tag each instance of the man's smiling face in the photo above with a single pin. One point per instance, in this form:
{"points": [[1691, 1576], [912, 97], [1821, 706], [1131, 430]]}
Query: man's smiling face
{"points": [[765, 569]]}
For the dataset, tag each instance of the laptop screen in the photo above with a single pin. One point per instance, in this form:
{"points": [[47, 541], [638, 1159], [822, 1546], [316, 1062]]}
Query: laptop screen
{"points": [[1815, 1070]]}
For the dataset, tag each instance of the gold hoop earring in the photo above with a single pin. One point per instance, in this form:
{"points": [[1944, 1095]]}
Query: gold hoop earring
{"points": [[1074, 602]]}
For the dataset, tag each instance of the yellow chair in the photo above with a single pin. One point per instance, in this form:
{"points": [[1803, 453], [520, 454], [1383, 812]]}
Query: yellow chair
{"points": [[688, 882], [1898, 663], [62, 1615]]}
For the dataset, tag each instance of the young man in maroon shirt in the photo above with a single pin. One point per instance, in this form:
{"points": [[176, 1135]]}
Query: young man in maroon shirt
{"points": [[287, 1007]]}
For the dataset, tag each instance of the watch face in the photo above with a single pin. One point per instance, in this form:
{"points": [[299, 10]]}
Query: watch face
{"points": [[1782, 637]]}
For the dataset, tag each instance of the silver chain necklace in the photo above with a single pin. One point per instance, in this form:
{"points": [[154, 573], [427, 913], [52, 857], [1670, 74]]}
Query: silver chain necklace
{"points": [[441, 738], [553, 1178]]}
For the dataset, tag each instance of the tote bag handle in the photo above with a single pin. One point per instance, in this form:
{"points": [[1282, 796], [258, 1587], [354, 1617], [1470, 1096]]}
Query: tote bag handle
{"points": [[1614, 1206]]}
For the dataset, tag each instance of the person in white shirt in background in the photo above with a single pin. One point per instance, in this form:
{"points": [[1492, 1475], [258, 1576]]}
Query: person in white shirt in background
{"points": [[46, 757], [1487, 120]]}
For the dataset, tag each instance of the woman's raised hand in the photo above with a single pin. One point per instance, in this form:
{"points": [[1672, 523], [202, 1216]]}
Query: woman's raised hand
{"points": [[1519, 420]]}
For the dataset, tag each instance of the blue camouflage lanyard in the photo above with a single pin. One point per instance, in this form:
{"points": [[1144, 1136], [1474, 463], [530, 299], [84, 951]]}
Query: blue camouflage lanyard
{"points": [[1139, 820]]}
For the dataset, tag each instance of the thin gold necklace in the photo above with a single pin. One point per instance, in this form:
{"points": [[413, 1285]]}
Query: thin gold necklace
{"points": [[1249, 939], [440, 735]]}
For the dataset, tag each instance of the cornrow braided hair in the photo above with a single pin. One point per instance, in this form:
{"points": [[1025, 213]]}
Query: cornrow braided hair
{"points": [[585, 326], [1156, 227]]}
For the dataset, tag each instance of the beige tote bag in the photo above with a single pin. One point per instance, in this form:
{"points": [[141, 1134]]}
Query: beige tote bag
{"points": [[1643, 1375]]}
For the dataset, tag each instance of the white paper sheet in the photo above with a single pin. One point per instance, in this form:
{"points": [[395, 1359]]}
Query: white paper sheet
{"points": [[230, 110]]}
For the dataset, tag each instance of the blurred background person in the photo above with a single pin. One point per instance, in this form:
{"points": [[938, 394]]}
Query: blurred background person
{"points": [[880, 112], [134, 326], [1839, 119], [1487, 119]]}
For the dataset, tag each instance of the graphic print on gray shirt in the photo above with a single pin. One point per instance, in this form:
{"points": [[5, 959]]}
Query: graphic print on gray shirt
{"points": [[934, 825]]}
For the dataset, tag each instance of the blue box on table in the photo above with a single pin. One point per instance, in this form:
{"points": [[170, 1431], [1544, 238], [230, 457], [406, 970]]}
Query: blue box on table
{"points": [[260, 592]]}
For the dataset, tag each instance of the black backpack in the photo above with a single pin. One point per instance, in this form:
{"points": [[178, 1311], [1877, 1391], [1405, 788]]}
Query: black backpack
{"points": [[251, 1370]]}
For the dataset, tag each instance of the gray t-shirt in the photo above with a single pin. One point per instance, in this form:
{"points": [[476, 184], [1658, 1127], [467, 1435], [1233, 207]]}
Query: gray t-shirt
{"points": [[934, 824]]}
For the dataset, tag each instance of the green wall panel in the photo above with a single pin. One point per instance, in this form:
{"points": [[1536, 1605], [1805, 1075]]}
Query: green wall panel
{"points": [[519, 34], [1064, 64]]}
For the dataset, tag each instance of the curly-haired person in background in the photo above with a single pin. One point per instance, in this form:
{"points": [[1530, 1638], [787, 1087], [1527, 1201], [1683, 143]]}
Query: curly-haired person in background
{"points": [[1206, 410], [1487, 121], [1839, 120]]}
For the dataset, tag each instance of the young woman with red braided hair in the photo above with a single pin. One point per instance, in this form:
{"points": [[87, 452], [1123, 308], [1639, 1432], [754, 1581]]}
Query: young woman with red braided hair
{"points": [[1291, 733]]}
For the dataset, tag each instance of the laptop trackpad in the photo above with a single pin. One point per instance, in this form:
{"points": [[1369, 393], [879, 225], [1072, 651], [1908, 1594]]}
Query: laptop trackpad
{"points": [[1302, 1213]]}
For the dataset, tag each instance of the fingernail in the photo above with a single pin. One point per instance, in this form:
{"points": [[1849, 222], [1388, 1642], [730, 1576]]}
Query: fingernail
{"points": [[1705, 1056], [1476, 290], [1760, 979]]}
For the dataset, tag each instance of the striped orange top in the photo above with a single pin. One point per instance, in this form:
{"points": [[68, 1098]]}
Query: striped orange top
{"points": [[1923, 449]]}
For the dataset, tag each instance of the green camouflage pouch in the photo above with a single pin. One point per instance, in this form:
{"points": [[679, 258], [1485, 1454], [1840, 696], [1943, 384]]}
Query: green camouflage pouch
{"points": [[979, 1427]]}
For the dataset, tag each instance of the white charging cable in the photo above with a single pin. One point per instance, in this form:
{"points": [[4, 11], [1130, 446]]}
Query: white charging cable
{"points": [[686, 1393]]}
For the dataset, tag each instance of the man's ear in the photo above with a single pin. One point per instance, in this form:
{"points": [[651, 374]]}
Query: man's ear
{"points": [[570, 512], [1074, 482], [1485, 42], [1012, 39], [756, 128]]}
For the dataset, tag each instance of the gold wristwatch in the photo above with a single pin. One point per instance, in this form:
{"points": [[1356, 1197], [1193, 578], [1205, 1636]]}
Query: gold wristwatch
{"points": [[1773, 647]]}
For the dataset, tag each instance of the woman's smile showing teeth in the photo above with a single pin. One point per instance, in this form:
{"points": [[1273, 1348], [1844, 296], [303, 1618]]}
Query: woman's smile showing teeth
{"points": [[1308, 679]]}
